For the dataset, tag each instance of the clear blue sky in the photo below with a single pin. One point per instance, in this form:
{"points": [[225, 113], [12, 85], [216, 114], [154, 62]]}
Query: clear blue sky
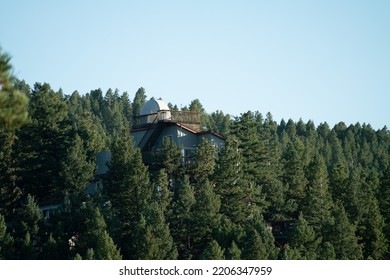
{"points": [[319, 60]]}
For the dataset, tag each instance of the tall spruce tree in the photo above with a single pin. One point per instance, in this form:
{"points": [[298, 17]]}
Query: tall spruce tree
{"points": [[304, 239], [127, 186], [138, 101], [294, 177], [6, 241], [13, 103], [43, 144], [27, 221], [76, 170], [229, 185], [181, 221], [206, 217], [317, 202], [213, 252], [384, 203], [341, 234]]}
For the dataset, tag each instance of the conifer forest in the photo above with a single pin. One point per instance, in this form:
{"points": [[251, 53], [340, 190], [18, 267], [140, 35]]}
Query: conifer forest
{"points": [[285, 189]]}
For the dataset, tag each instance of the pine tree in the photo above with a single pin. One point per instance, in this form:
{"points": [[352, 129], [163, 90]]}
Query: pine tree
{"points": [[213, 252], [317, 202], [341, 234], [127, 186], [233, 252], [168, 157], [182, 219], [229, 186], [154, 234], [162, 194], [93, 235], [13, 103], [6, 241], [371, 227], [10, 192], [205, 218], [294, 177], [27, 223], [76, 171], [304, 240], [43, 144], [204, 162], [338, 184], [253, 247], [384, 203], [139, 101], [218, 122], [50, 249], [252, 150]]}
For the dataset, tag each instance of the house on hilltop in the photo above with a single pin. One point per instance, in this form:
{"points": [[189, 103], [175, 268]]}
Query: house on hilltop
{"points": [[157, 122]]}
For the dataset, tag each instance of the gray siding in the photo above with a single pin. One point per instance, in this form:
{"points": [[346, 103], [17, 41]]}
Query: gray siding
{"points": [[138, 135], [182, 137]]}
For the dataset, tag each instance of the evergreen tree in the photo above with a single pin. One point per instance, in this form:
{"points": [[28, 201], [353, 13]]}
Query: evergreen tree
{"points": [[168, 157], [139, 101], [233, 252], [181, 222], [384, 203], [252, 150], [28, 218], [339, 182], [341, 234], [213, 252], [229, 186], [162, 195], [13, 103], [92, 235], [127, 186], [76, 171], [304, 240], [218, 122], [10, 193], [204, 162], [253, 247], [317, 202], [43, 144], [371, 229], [205, 217], [50, 249], [294, 177], [153, 239], [6, 241]]}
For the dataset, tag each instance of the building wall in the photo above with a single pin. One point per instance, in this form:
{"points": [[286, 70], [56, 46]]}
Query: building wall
{"points": [[182, 137], [138, 135]]}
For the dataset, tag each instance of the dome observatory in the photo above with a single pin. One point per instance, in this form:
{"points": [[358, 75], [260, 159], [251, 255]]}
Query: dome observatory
{"points": [[154, 110]]}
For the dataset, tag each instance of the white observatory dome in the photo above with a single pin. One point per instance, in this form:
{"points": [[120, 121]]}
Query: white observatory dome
{"points": [[154, 110], [153, 106]]}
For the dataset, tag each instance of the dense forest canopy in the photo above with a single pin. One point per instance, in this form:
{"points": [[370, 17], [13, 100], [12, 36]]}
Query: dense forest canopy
{"points": [[331, 184]]}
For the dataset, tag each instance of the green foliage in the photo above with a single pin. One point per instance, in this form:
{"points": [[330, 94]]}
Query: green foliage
{"points": [[219, 205], [233, 252], [317, 202], [13, 103], [139, 101], [304, 240], [204, 162], [76, 171], [213, 252], [341, 234], [228, 178], [6, 241], [182, 218]]}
